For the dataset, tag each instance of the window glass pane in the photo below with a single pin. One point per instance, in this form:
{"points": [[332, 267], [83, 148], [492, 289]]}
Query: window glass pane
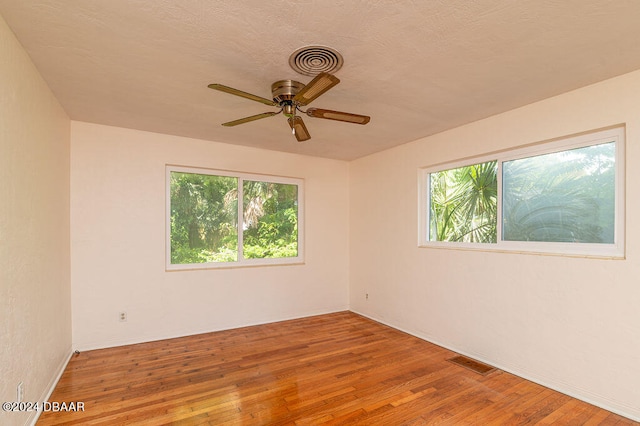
{"points": [[566, 196], [204, 210], [463, 204], [270, 220]]}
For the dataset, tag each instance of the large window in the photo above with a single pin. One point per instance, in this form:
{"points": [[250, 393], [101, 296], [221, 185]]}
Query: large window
{"points": [[562, 197], [217, 218]]}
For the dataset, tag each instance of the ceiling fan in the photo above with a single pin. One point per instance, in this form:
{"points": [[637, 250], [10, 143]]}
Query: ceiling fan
{"points": [[290, 96]]}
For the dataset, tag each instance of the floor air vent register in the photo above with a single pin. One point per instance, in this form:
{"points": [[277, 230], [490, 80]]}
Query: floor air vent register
{"points": [[472, 364]]}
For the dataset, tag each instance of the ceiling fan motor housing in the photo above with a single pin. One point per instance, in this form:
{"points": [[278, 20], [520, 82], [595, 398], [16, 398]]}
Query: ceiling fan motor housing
{"points": [[285, 90]]}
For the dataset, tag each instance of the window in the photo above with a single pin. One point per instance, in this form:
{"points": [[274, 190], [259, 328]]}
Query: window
{"points": [[561, 197], [463, 204], [222, 219]]}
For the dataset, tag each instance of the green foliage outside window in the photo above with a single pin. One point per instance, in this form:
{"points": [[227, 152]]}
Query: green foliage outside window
{"points": [[464, 204], [270, 220], [566, 196], [204, 219]]}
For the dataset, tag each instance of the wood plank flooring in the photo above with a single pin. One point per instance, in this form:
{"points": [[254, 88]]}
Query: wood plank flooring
{"points": [[338, 369]]}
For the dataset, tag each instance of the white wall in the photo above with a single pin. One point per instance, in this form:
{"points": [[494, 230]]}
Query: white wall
{"points": [[35, 301], [118, 241], [570, 323]]}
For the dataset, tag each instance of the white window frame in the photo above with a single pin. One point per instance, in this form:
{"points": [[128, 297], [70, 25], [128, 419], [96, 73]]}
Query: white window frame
{"points": [[241, 262], [616, 250]]}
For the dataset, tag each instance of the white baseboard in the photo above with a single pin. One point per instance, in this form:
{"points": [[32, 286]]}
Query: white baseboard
{"points": [[33, 417]]}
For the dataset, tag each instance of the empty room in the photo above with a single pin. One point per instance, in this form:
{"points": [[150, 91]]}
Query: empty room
{"points": [[319, 212]]}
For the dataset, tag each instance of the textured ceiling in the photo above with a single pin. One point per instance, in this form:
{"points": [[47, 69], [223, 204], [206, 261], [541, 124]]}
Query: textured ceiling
{"points": [[416, 67]]}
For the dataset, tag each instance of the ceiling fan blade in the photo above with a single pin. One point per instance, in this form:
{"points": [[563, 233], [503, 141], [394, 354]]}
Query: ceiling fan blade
{"points": [[338, 115], [240, 93], [299, 129], [316, 87], [250, 118]]}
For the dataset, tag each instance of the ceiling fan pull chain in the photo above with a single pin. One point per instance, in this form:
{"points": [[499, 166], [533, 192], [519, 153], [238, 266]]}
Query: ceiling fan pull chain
{"points": [[293, 128]]}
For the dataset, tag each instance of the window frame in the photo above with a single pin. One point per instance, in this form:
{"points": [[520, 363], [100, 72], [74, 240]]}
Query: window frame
{"points": [[242, 261], [616, 250]]}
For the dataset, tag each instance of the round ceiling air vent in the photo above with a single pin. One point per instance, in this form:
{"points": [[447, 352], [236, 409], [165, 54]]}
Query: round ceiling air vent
{"points": [[312, 60]]}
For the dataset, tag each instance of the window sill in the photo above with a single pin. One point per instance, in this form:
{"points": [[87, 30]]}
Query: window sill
{"points": [[610, 254]]}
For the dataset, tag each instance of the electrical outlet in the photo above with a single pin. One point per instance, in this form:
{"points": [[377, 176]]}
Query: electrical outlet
{"points": [[366, 296], [20, 392], [123, 316]]}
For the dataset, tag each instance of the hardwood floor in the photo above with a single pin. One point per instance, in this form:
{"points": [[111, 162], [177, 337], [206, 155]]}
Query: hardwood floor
{"points": [[332, 369]]}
